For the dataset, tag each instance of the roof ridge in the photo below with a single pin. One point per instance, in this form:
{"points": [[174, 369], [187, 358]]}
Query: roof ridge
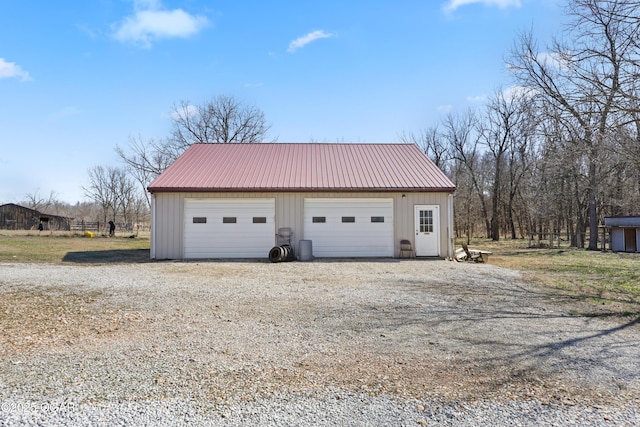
{"points": [[301, 143]]}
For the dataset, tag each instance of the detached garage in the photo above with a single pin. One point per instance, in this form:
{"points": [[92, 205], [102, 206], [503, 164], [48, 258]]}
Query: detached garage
{"points": [[349, 200]]}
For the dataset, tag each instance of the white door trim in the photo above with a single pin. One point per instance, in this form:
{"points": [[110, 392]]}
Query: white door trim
{"points": [[427, 233]]}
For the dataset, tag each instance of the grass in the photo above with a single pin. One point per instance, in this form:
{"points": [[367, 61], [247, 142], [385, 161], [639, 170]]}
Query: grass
{"points": [[63, 247], [598, 278]]}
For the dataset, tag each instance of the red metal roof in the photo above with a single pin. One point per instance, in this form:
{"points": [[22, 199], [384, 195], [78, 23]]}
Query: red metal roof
{"points": [[302, 167]]}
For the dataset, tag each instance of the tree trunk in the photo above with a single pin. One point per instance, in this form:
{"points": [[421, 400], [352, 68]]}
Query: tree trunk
{"points": [[483, 204], [495, 223], [593, 212], [512, 224]]}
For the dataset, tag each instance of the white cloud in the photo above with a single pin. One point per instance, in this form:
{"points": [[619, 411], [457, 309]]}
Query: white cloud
{"points": [[477, 98], [444, 108], [184, 112], [514, 92], [150, 22], [10, 69], [555, 60], [301, 42], [453, 5]]}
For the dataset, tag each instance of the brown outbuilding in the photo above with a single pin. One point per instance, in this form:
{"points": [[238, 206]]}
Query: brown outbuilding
{"points": [[16, 217]]}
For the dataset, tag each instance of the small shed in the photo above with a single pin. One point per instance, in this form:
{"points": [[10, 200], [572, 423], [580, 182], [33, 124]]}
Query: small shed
{"points": [[624, 232], [16, 217]]}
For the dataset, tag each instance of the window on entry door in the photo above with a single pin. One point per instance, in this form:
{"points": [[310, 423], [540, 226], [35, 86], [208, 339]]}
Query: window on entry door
{"points": [[426, 221]]}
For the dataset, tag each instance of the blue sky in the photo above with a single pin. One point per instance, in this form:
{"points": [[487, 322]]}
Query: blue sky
{"points": [[78, 78]]}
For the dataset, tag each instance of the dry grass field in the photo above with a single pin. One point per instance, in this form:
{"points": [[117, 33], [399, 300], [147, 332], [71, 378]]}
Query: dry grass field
{"points": [[597, 278], [65, 246]]}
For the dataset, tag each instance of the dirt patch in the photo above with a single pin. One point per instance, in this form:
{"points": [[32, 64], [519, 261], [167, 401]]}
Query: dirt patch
{"points": [[50, 319]]}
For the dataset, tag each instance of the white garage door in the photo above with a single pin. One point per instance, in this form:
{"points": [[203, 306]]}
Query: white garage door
{"points": [[349, 227], [228, 228]]}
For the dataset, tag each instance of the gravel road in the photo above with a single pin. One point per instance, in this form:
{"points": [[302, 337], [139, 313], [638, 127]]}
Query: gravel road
{"points": [[351, 342]]}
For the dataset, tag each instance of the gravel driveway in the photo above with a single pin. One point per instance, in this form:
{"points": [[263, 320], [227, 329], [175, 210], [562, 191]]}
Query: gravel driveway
{"points": [[381, 342]]}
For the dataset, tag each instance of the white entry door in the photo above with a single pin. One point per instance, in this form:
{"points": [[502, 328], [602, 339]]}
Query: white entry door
{"points": [[427, 224]]}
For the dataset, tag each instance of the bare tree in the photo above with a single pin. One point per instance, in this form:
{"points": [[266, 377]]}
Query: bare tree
{"points": [[124, 190], [460, 132], [139, 211], [432, 143], [223, 119], [506, 132], [563, 152], [113, 190], [520, 163], [560, 186], [41, 203], [99, 189], [145, 160], [585, 79]]}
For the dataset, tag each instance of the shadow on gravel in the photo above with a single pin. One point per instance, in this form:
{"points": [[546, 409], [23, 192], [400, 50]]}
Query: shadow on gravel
{"points": [[122, 256], [605, 360], [574, 341]]}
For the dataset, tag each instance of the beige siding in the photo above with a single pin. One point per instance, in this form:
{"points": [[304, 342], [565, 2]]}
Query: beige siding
{"points": [[167, 238], [404, 221]]}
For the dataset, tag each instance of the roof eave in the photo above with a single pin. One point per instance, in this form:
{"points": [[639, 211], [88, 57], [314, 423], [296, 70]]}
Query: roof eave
{"points": [[299, 190]]}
